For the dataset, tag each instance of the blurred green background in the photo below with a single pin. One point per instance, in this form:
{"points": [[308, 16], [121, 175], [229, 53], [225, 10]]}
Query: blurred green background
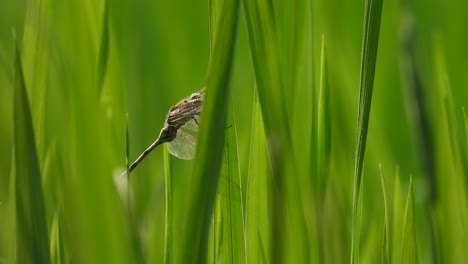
{"points": [[158, 52]]}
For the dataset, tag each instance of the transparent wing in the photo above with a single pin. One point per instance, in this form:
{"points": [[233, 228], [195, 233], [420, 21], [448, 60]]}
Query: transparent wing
{"points": [[183, 146], [192, 124]]}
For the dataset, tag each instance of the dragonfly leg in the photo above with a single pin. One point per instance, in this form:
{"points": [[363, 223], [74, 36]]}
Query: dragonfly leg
{"points": [[196, 121]]}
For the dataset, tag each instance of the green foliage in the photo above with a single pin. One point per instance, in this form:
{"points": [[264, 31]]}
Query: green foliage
{"points": [[278, 176], [370, 43], [31, 229]]}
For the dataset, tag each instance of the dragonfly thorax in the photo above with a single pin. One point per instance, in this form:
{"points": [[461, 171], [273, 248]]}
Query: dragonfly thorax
{"points": [[167, 134]]}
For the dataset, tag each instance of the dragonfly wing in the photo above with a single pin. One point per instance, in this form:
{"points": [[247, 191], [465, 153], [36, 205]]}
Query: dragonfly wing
{"points": [[183, 146], [192, 124]]}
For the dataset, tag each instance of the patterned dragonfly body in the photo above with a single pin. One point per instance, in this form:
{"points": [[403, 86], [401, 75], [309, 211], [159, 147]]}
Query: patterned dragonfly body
{"points": [[183, 115]]}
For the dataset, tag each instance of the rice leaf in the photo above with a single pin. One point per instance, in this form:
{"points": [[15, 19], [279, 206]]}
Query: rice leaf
{"points": [[8, 222], [288, 223], [370, 41], [323, 146], [323, 125], [386, 249], [168, 252], [103, 54], [35, 57], [56, 242], [465, 121], [409, 252], [202, 190], [232, 248], [358, 223], [416, 98], [324, 129], [257, 206], [32, 235], [398, 213]]}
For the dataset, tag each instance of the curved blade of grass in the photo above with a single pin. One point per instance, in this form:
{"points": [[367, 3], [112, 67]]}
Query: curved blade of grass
{"points": [[257, 207], [323, 146], [409, 252], [288, 223], [398, 212], [384, 251], [452, 187], [324, 129], [465, 121], [8, 221], [168, 255], [230, 232], [35, 57], [32, 235], [416, 100], [370, 41], [56, 241], [386, 245], [202, 190], [416, 105], [103, 49]]}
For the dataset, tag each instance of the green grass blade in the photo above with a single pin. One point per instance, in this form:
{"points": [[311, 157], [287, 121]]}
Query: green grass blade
{"points": [[409, 252], [288, 223], [456, 139], [202, 190], [323, 147], [416, 100], [452, 184], [230, 223], [384, 257], [358, 229], [103, 55], [168, 254], [257, 207], [35, 57], [465, 121], [8, 222], [56, 242], [324, 128], [32, 235], [372, 16], [386, 249], [398, 213]]}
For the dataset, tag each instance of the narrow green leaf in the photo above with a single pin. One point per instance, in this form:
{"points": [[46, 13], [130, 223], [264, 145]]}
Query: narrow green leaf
{"points": [[370, 41], [416, 96], [202, 190], [324, 128], [386, 249], [465, 121], [232, 248], [8, 222], [56, 242], [288, 223], [409, 252], [359, 223], [103, 55], [398, 212], [456, 139], [168, 255], [257, 207], [36, 64], [32, 235], [323, 146]]}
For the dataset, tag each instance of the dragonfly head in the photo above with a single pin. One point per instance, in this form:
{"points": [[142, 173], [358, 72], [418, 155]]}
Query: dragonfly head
{"points": [[167, 134]]}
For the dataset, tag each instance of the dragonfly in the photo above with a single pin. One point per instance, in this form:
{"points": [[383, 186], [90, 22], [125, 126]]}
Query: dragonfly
{"points": [[181, 118]]}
